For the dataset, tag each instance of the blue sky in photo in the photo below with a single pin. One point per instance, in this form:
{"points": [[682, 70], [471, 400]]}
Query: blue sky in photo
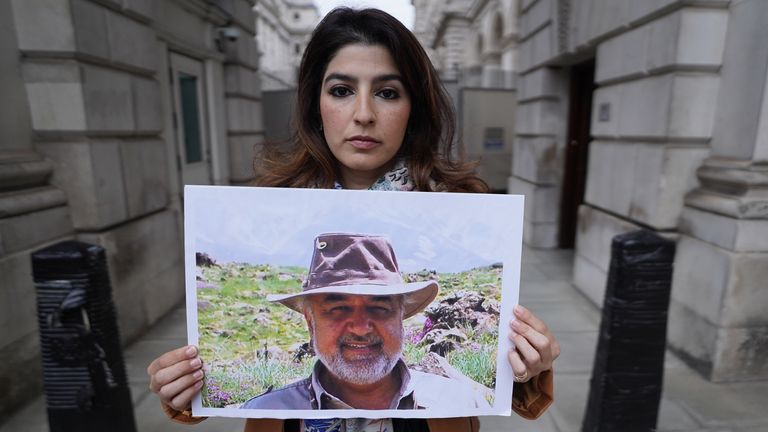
{"points": [[440, 231]]}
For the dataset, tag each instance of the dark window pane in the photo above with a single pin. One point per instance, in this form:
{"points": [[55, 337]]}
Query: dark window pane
{"points": [[190, 120]]}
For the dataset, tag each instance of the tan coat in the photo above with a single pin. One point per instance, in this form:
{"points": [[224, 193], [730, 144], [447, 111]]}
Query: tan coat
{"points": [[529, 401]]}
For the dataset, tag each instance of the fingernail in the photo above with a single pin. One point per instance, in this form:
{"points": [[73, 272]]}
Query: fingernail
{"points": [[518, 309], [194, 362], [515, 324], [198, 384], [198, 374], [191, 351]]}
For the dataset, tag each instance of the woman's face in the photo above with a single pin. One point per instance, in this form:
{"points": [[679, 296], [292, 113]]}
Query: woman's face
{"points": [[364, 109]]}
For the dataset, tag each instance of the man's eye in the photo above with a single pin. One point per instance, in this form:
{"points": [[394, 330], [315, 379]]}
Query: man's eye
{"points": [[389, 94], [340, 92], [378, 310]]}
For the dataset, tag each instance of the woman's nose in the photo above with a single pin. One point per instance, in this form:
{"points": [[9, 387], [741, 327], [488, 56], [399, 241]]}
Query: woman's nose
{"points": [[364, 112]]}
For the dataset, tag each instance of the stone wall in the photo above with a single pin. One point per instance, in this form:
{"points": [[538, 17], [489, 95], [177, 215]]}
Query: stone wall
{"points": [[88, 148], [678, 127]]}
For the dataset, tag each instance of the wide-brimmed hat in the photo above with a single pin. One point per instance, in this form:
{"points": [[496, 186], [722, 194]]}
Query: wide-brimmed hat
{"points": [[358, 264]]}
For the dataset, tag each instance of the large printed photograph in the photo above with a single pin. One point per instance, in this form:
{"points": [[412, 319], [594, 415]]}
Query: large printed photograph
{"points": [[301, 299]]}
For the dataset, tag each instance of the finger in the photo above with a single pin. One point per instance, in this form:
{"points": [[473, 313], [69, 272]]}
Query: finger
{"points": [[539, 341], [171, 390], [518, 366], [173, 373], [183, 400], [171, 358], [528, 353], [526, 316]]}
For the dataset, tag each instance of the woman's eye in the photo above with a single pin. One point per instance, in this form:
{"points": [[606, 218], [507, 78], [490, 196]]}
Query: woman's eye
{"points": [[340, 92], [389, 94]]}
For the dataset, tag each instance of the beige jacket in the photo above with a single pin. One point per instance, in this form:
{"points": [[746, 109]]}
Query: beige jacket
{"points": [[529, 401]]}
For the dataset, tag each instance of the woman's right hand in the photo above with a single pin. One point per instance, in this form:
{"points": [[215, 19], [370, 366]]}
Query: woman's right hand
{"points": [[176, 377]]}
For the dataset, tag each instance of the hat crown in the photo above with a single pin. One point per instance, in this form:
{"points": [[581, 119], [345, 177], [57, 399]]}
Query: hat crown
{"points": [[352, 259]]}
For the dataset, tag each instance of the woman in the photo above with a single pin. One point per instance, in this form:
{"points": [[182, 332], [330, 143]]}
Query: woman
{"points": [[372, 114]]}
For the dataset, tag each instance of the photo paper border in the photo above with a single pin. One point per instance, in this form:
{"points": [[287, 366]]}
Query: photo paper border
{"points": [[508, 210]]}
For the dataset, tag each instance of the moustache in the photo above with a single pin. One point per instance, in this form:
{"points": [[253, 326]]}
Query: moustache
{"points": [[369, 340]]}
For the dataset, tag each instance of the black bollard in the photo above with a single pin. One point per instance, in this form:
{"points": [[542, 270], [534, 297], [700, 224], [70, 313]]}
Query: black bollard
{"points": [[625, 389], [83, 370]]}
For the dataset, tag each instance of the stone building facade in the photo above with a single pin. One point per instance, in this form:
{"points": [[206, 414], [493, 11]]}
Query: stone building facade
{"points": [[644, 114], [283, 28], [473, 45], [109, 107]]}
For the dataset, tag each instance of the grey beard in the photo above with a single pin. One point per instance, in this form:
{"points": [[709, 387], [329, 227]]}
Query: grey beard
{"points": [[359, 373]]}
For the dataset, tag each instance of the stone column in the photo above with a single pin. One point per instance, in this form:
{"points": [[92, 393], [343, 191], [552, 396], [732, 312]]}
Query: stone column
{"points": [[32, 213], [718, 319]]}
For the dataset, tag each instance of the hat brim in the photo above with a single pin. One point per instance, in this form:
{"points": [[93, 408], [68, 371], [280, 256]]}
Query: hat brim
{"points": [[418, 295]]}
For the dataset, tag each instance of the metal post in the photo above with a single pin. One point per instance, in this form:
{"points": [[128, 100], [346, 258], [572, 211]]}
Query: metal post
{"points": [[83, 371], [625, 389]]}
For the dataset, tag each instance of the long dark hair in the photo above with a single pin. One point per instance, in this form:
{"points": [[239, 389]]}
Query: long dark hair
{"points": [[429, 135]]}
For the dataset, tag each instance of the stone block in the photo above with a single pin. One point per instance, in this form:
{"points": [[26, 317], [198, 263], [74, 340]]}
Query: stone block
{"points": [[607, 16], [171, 283], [623, 55], [740, 354], [693, 105], [21, 374], [243, 51], [642, 181], [543, 82], [539, 223], [702, 36], [740, 99], [543, 45], [146, 188], [535, 17], [18, 301], [663, 41], [539, 160], [55, 95], [644, 108], [90, 22], [32, 229], [242, 151], [589, 279], [108, 99], [91, 175], [144, 9], [723, 287], [540, 117], [611, 175], [738, 235], [132, 43], [244, 15], [139, 255], [43, 25], [241, 80], [147, 103], [596, 230], [244, 115], [639, 10]]}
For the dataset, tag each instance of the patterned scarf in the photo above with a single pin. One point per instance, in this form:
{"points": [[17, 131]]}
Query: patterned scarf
{"points": [[396, 179]]}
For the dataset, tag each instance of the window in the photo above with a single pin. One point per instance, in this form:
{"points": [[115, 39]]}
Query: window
{"points": [[189, 118]]}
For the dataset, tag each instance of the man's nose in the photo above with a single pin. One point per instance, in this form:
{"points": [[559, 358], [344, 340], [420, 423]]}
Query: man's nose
{"points": [[364, 110], [360, 323]]}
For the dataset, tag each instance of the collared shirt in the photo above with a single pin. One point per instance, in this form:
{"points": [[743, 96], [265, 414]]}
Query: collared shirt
{"points": [[418, 390]]}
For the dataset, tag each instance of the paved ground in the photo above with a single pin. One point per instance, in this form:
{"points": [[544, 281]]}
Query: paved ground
{"points": [[690, 403]]}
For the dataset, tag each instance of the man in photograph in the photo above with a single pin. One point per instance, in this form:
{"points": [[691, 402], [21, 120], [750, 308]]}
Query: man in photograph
{"points": [[354, 301]]}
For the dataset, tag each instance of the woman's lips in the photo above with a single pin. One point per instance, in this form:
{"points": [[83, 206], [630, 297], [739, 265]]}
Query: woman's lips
{"points": [[363, 143]]}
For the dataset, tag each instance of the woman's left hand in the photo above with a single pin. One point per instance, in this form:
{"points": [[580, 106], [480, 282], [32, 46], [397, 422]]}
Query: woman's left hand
{"points": [[535, 346]]}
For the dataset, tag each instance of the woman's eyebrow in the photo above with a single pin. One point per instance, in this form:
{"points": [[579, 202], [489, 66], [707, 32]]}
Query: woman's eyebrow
{"points": [[350, 78]]}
